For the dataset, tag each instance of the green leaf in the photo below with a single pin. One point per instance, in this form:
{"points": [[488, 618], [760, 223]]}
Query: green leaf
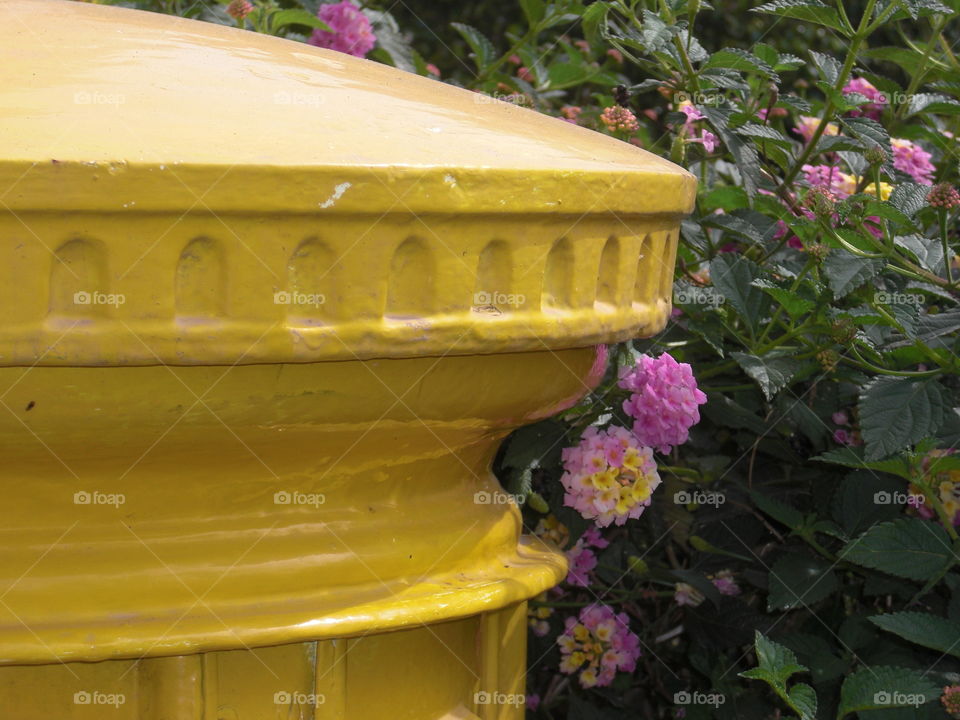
{"points": [[878, 688], [779, 511], [909, 198], [564, 75], [656, 33], [932, 103], [770, 373], [799, 581], [869, 131], [803, 699], [829, 67], [809, 10], [927, 251], [737, 59], [896, 413], [887, 210], [792, 302], [732, 275], [297, 16], [534, 10], [930, 631], [483, 50], [865, 499], [764, 132], [846, 272], [594, 20], [776, 664], [853, 457], [909, 547]]}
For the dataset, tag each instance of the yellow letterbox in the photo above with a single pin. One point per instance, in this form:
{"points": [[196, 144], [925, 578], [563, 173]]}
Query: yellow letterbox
{"points": [[267, 312]]}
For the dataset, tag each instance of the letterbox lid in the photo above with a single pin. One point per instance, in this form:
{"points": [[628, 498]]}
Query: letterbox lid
{"points": [[182, 192]]}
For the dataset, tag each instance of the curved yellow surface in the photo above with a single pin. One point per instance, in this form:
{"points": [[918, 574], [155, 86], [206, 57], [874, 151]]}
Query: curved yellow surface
{"points": [[266, 313]]}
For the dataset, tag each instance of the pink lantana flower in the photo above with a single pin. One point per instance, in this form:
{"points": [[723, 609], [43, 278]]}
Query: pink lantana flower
{"points": [[664, 400], [913, 160], [597, 645], [609, 477], [352, 33], [872, 109], [581, 558]]}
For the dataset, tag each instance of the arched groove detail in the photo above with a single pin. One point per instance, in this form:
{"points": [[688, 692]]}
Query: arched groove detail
{"points": [[410, 288], [79, 280], [558, 278], [201, 280]]}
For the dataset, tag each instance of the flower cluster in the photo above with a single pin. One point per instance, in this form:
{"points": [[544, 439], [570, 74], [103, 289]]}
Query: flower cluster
{"points": [[239, 9], [598, 644], [951, 700], [910, 158], [609, 476], [351, 31], [664, 401], [537, 616], [944, 196], [619, 118], [946, 483], [582, 559], [878, 100]]}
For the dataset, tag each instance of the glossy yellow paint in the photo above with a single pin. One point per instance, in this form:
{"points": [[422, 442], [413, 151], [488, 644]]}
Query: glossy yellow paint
{"points": [[266, 313]]}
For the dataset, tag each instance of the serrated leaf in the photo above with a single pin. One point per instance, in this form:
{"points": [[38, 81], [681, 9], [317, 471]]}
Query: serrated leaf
{"points": [[483, 50], [779, 511], [792, 302], [732, 276], [799, 581], [852, 457], [932, 103], [656, 33], [846, 272], [764, 132], [740, 60], [896, 413], [909, 547], [770, 373], [930, 631], [927, 251], [803, 698], [829, 67], [909, 198], [879, 688], [809, 10]]}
